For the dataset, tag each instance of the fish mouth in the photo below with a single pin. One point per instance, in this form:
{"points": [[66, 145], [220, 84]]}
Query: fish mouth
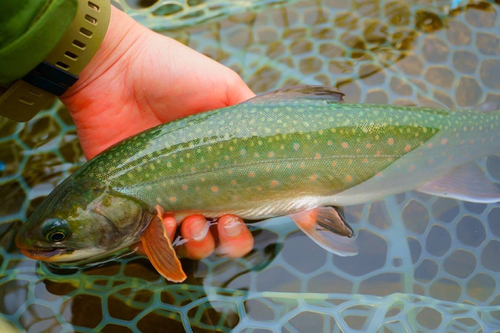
{"points": [[45, 254]]}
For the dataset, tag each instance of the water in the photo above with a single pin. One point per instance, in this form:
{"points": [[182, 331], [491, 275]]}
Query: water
{"points": [[425, 263]]}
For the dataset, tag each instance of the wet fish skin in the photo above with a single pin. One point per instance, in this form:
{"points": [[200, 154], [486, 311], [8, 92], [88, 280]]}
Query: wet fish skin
{"points": [[277, 154]]}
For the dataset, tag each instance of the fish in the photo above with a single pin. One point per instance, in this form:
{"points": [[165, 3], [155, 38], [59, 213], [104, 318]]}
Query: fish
{"points": [[298, 151]]}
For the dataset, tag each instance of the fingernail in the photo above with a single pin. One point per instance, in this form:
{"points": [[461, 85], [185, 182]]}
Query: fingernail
{"points": [[233, 227], [199, 229], [169, 222]]}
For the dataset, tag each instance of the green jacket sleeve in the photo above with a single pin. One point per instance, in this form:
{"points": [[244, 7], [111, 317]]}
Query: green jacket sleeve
{"points": [[29, 31]]}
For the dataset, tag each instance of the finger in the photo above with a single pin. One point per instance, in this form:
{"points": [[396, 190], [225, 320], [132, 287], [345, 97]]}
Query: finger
{"points": [[170, 224], [200, 242], [234, 236]]}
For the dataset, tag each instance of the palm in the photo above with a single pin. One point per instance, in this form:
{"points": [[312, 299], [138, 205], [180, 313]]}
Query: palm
{"points": [[155, 80]]}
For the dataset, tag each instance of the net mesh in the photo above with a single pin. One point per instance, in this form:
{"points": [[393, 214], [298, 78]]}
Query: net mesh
{"points": [[425, 263]]}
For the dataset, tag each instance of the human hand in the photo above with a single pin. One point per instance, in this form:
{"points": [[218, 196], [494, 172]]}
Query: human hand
{"points": [[139, 79]]}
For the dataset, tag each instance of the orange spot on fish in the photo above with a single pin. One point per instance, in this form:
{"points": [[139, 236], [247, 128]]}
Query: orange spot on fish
{"points": [[173, 199], [302, 165], [472, 141], [288, 165], [233, 182], [271, 154], [215, 189], [407, 148], [348, 178], [330, 143], [365, 160], [444, 141], [411, 168], [390, 141], [450, 157], [345, 145], [430, 144], [259, 188], [368, 145], [431, 161], [251, 174], [296, 146], [274, 183], [317, 156], [334, 163], [313, 178], [292, 177], [462, 142], [184, 187]]}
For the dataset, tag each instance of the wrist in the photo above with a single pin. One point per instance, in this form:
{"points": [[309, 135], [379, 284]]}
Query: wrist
{"points": [[117, 49]]}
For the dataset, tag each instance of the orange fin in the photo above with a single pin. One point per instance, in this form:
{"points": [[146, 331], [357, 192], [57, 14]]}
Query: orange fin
{"points": [[160, 252], [328, 229]]}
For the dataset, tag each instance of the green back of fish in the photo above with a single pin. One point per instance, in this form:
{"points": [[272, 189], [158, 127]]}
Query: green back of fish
{"points": [[238, 157]]}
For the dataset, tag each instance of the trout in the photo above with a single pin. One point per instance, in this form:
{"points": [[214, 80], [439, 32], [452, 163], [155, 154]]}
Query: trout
{"points": [[298, 151]]}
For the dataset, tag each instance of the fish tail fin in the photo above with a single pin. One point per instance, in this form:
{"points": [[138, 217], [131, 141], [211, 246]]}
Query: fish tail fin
{"points": [[328, 229]]}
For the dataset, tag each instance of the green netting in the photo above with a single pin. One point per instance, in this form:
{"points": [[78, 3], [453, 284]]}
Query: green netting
{"points": [[425, 263]]}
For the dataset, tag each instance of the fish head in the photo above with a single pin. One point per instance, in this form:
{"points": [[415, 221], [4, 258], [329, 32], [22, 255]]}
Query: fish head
{"points": [[81, 219]]}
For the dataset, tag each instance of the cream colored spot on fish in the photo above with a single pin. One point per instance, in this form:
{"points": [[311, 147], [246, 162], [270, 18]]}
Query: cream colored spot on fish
{"points": [[158, 200], [348, 178], [329, 143], [407, 148], [164, 184], [302, 165], [274, 183], [149, 188], [251, 174], [256, 155], [317, 156], [268, 169], [229, 171], [215, 189], [296, 146], [390, 141], [289, 166], [243, 152], [226, 158], [139, 168], [202, 179], [345, 145], [173, 199]]}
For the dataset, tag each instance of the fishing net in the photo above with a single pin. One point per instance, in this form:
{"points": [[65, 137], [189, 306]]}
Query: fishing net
{"points": [[425, 263]]}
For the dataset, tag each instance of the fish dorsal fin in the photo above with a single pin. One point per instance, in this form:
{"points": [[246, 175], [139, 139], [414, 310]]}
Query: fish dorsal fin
{"points": [[487, 107], [466, 182], [303, 93], [160, 252], [328, 229]]}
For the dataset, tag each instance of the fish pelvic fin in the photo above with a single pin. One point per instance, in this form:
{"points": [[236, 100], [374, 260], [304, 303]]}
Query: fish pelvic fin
{"points": [[466, 182], [160, 251], [328, 228], [303, 93]]}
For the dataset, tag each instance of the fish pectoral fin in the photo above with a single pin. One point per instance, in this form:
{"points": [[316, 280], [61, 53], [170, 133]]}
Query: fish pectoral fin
{"points": [[328, 229], [466, 182], [160, 251], [304, 93]]}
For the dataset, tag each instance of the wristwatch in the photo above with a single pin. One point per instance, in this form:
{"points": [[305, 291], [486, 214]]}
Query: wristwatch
{"points": [[60, 69]]}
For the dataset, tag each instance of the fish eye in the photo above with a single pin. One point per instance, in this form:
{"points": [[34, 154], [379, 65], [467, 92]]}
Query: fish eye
{"points": [[56, 236], [55, 230]]}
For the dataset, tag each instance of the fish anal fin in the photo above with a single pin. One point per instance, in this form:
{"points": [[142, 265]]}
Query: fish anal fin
{"points": [[328, 229], [160, 251], [304, 93], [466, 182]]}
